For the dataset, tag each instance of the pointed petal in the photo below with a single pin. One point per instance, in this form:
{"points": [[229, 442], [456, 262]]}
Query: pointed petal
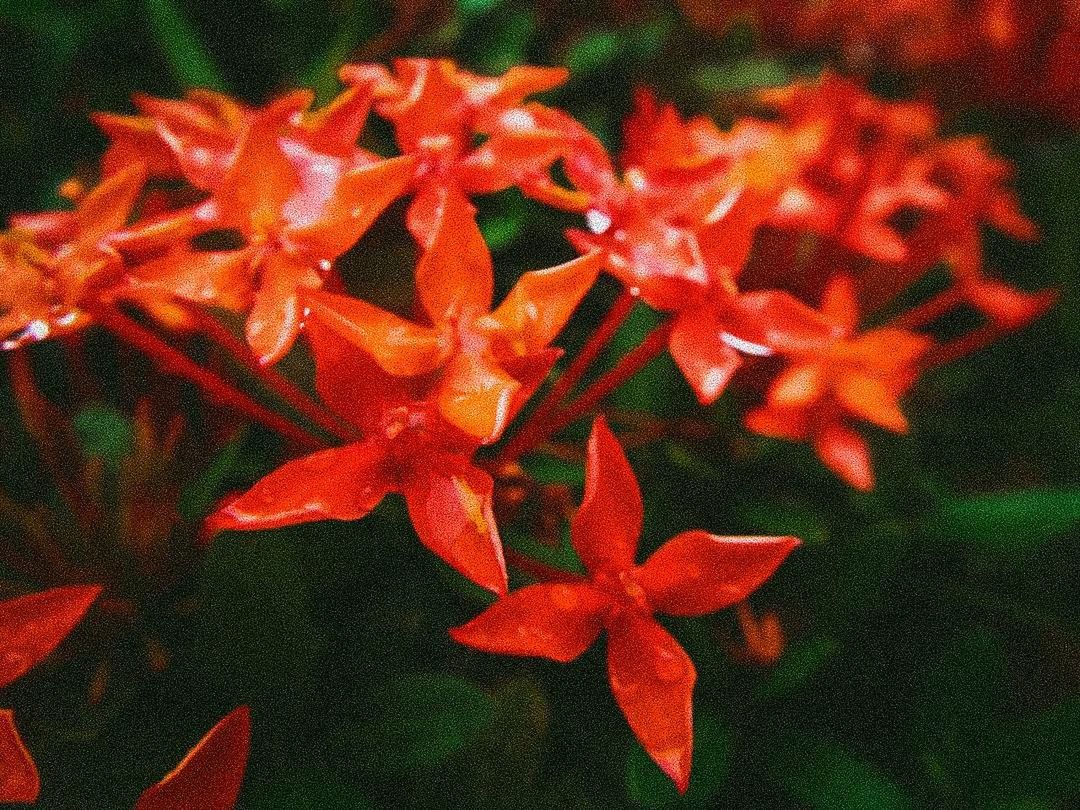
{"points": [[277, 315], [550, 620], [846, 453], [871, 399], [539, 305], [218, 278], [476, 395], [455, 274], [360, 196], [341, 483], [212, 773], [399, 346], [338, 124], [19, 781], [652, 679], [606, 528], [107, 207], [839, 303], [778, 423], [33, 626], [507, 158], [451, 512], [704, 359], [1006, 305], [798, 385], [781, 322], [696, 572]]}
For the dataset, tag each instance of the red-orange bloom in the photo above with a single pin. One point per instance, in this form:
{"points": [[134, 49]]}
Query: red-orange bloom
{"points": [[52, 262], [693, 573], [677, 228], [483, 362], [31, 627], [211, 774], [858, 375], [298, 192], [408, 448], [438, 111]]}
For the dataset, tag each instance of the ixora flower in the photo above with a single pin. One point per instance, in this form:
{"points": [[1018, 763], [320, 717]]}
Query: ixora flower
{"points": [[860, 375], [438, 111], [484, 362], [692, 574], [52, 263], [212, 773], [31, 627], [297, 191], [408, 448]]}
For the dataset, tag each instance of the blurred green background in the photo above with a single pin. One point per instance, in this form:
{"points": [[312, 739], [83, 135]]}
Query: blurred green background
{"points": [[932, 626]]}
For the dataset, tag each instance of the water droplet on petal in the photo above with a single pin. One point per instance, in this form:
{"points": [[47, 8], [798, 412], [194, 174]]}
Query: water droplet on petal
{"points": [[745, 346], [597, 221]]}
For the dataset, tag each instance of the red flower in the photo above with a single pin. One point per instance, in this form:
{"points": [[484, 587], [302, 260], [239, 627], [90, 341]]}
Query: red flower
{"points": [[31, 627], [438, 110], [861, 376], [484, 363], [693, 573], [212, 773], [53, 261], [298, 191], [677, 228], [408, 449]]}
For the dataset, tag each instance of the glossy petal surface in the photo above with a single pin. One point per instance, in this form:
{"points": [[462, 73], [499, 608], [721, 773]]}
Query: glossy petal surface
{"points": [[32, 626], [19, 781]]}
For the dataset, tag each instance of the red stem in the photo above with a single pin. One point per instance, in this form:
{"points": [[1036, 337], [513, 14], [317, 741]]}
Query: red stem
{"points": [[173, 361], [972, 342], [534, 427], [298, 399], [651, 347], [928, 311]]}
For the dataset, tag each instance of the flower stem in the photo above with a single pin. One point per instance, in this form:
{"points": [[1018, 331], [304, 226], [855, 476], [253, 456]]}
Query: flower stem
{"points": [[972, 342], [928, 311], [298, 399], [533, 430], [173, 361]]}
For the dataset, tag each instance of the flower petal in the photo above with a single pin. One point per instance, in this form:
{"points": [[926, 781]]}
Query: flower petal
{"points": [[32, 626], [652, 679], [846, 453], [539, 305], [455, 274], [477, 396], [779, 321], [870, 398], [19, 781], [277, 315], [555, 620], [450, 509], [400, 347], [212, 773], [606, 528], [696, 572], [706, 362], [341, 483], [219, 278]]}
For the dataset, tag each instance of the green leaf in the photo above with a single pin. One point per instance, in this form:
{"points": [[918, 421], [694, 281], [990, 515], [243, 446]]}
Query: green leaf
{"points": [[1007, 521], [746, 74], [430, 718], [648, 787], [104, 432], [825, 776], [191, 65], [593, 52]]}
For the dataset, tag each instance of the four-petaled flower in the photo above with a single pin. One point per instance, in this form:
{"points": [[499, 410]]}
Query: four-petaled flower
{"points": [[693, 573]]}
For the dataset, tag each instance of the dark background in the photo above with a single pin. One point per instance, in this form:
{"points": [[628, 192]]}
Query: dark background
{"points": [[932, 625]]}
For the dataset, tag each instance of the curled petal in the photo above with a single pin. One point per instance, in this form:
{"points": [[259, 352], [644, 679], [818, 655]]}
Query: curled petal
{"points": [[455, 274], [780, 322], [696, 572], [798, 385], [212, 773], [704, 359], [277, 315], [550, 620], [32, 626], [606, 528], [107, 207], [451, 512], [399, 346], [477, 396], [845, 452], [359, 197], [652, 679], [539, 305], [507, 158], [341, 483], [218, 278], [778, 423], [19, 781]]}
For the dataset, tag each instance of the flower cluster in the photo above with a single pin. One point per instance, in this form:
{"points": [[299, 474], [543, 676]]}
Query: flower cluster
{"points": [[781, 243]]}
